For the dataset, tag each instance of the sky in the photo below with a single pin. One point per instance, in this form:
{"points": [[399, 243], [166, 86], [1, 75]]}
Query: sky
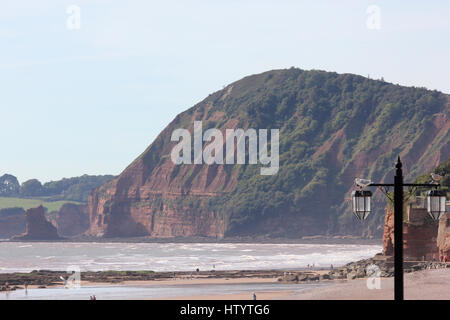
{"points": [[86, 86]]}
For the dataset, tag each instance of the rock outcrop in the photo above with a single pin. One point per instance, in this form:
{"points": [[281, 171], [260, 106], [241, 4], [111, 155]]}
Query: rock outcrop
{"points": [[71, 220], [388, 233], [12, 222], [443, 240], [333, 128], [419, 235], [37, 226]]}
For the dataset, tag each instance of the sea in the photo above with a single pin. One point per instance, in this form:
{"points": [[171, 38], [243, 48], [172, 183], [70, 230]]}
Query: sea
{"points": [[101, 256]]}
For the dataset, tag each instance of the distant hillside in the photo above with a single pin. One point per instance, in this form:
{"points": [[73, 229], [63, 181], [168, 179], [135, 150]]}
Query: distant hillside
{"points": [[71, 189], [333, 128]]}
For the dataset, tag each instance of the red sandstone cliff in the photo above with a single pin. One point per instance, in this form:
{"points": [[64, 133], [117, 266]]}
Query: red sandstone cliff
{"points": [[71, 220], [419, 235], [443, 240], [38, 228], [154, 197], [143, 199]]}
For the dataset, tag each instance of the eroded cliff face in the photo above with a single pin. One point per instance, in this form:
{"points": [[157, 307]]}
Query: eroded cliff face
{"points": [[388, 232], [325, 142], [37, 226], [71, 220], [161, 199], [443, 240], [419, 235]]}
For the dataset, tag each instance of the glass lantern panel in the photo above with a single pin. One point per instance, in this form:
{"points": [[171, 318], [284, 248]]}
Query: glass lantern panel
{"points": [[360, 204], [442, 205], [367, 204]]}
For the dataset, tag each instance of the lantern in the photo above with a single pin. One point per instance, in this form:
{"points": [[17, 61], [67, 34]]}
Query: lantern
{"points": [[361, 203], [436, 203]]}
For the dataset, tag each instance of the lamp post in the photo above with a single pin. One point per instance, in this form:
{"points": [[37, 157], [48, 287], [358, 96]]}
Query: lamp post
{"points": [[362, 207]]}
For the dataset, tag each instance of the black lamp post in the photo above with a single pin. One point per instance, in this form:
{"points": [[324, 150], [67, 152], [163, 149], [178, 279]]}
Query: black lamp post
{"points": [[362, 207]]}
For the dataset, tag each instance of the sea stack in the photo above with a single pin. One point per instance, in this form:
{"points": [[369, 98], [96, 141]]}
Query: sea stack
{"points": [[37, 226]]}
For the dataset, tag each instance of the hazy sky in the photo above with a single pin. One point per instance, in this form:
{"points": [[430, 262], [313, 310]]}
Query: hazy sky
{"points": [[90, 100]]}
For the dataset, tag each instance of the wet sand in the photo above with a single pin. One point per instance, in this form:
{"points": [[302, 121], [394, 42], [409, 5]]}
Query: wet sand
{"points": [[183, 281], [421, 285], [265, 295]]}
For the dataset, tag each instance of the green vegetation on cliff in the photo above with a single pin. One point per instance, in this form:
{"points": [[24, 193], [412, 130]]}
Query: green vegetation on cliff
{"points": [[352, 118], [333, 128], [443, 170]]}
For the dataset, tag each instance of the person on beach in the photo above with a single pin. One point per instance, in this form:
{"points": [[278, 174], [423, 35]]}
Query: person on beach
{"points": [[254, 296]]}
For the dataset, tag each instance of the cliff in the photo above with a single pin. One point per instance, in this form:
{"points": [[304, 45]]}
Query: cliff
{"points": [[37, 226], [443, 240], [333, 128], [443, 236], [71, 220], [420, 234], [12, 222]]}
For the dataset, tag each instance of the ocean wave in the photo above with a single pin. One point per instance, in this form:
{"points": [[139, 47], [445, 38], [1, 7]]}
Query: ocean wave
{"points": [[179, 257]]}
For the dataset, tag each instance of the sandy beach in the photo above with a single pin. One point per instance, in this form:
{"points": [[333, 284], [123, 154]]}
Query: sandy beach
{"points": [[183, 281], [421, 285]]}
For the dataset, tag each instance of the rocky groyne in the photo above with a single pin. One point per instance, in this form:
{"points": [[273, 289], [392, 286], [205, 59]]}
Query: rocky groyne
{"points": [[374, 267]]}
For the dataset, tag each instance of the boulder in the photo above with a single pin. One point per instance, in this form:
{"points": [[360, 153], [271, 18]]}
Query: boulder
{"points": [[302, 277], [352, 275], [291, 277], [324, 277], [360, 273]]}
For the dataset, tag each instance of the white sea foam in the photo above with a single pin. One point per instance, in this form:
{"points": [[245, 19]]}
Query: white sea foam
{"points": [[23, 257]]}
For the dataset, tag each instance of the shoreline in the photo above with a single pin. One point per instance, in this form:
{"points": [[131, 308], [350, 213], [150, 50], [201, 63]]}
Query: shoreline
{"points": [[421, 285], [304, 240], [350, 271], [50, 279]]}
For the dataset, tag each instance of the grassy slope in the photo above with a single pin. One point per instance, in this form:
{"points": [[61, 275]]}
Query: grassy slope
{"points": [[30, 203]]}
